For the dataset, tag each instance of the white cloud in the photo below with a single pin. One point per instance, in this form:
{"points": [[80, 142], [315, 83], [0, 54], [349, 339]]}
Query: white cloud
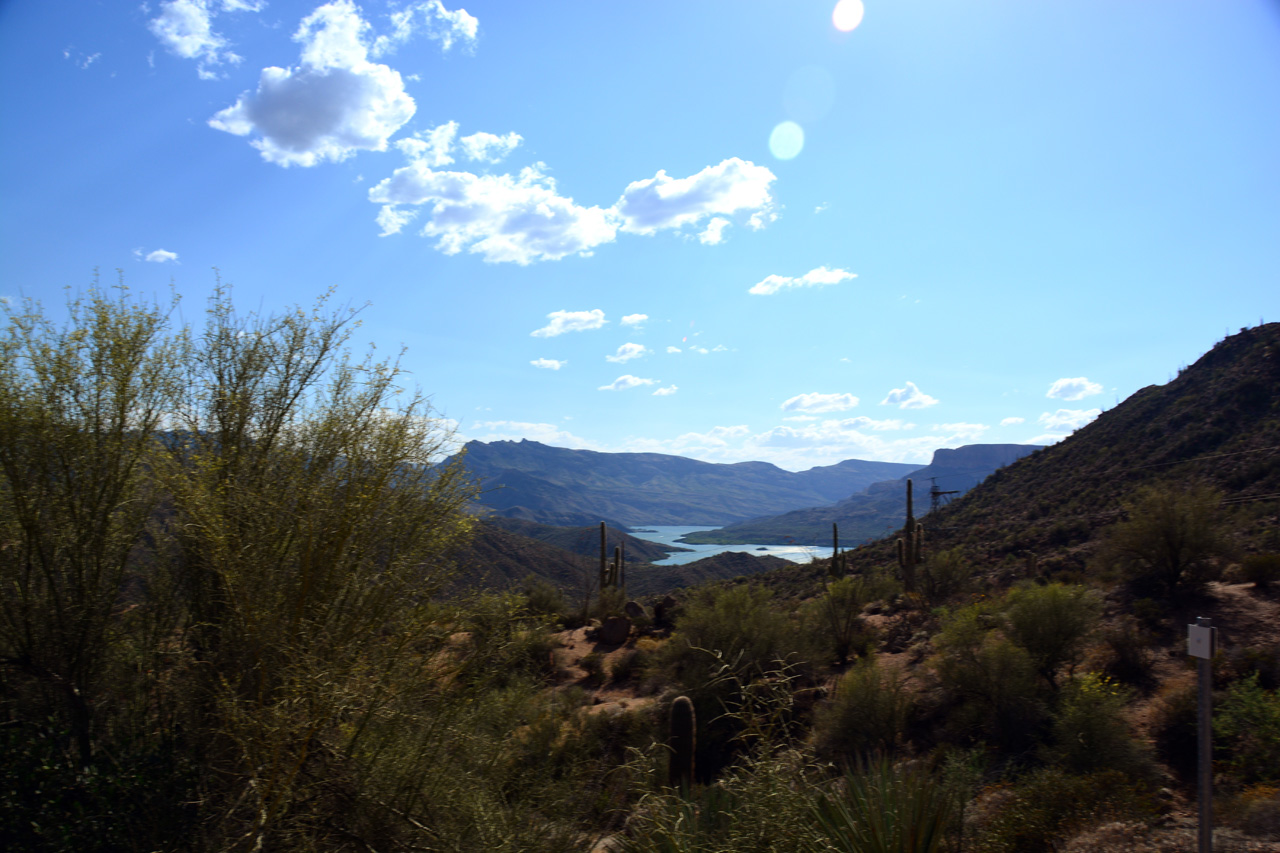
{"points": [[729, 187], [962, 430], [523, 218], [625, 382], [433, 19], [1068, 419], [1012, 421], [626, 352], [512, 430], [160, 256], [185, 28], [824, 206], [714, 233], [813, 278], [699, 350], [909, 397], [634, 319], [430, 147], [666, 392], [548, 363], [674, 349], [335, 103], [489, 147], [1073, 389], [570, 321], [518, 219], [819, 403]]}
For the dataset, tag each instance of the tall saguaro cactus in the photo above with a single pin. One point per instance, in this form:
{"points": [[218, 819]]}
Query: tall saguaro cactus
{"points": [[910, 546], [604, 561], [837, 559]]}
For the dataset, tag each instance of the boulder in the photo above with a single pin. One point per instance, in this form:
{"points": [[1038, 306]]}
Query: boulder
{"points": [[635, 610], [614, 631]]}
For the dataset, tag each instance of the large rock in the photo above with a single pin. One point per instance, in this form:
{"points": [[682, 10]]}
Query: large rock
{"points": [[614, 631], [635, 610]]}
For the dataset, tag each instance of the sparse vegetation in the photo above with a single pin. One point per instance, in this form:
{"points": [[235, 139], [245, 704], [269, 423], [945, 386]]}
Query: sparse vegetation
{"points": [[233, 622]]}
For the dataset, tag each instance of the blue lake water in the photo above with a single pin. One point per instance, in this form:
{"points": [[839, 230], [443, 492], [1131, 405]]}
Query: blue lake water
{"points": [[666, 534]]}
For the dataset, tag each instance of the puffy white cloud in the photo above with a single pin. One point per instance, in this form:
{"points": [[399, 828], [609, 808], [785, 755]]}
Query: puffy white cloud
{"points": [[1073, 389], [625, 382], [517, 219], [489, 147], [430, 147], [1068, 419], [626, 352], [674, 350], [161, 256], [433, 19], [714, 233], [819, 403], [819, 277], [634, 319], [909, 397], [335, 103], [1012, 421], [661, 202], [548, 363], [666, 392], [570, 321], [185, 28], [962, 430]]}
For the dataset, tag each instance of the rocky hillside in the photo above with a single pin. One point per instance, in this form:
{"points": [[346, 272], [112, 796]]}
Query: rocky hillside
{"points": [[876, 511], [573, 488]]}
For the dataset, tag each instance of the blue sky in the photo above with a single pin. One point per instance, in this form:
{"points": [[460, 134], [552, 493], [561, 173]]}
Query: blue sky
{"points": [[1003, 216]]}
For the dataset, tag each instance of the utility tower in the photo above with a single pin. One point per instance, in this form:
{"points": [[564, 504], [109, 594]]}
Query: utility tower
{"points": [[936, 495]]}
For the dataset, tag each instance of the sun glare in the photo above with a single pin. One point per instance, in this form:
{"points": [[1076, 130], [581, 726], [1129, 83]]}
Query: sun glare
{"points": [[787, 140], [847, 15]]}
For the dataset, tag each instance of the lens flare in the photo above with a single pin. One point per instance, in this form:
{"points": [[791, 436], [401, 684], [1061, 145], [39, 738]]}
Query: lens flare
{"points": [[847, 15], [787, 140]]}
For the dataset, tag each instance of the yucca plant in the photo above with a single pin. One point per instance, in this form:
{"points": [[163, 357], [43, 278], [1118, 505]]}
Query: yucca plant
{"points": [[881, 807]]}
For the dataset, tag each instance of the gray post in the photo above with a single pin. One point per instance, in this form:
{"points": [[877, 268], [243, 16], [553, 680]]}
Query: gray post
{"points": [[1202, 642]]}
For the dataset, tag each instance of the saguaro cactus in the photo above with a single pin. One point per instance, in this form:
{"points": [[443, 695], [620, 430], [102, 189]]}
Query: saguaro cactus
{"points": [[910, 546], [604, 562], [682, 741], [837, 559]]}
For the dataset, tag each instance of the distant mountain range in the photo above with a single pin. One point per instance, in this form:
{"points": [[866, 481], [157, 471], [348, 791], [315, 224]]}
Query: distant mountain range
{"points": [[575, 488], [877, 510]]}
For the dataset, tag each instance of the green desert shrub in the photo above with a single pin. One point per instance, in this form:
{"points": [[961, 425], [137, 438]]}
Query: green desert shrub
{"points": [[1246, 727], [1089, 732], [867, 713], [1051, 623], [945, 575], [1129, 654], [1172, 541], [1173, 729], [993, 684], [1050, 805], [1261, 570], [836, 619]]}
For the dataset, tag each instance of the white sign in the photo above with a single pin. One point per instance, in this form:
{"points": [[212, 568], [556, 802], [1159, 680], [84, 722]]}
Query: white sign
{"points": [[1201, 641]]}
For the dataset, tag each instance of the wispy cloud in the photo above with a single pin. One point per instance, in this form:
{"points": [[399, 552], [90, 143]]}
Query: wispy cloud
{"points": [[663, 202], [634, 319], [489, 147], [819, 403], [185, 28], [626, 352], [626, 382], [570, 321], [819, 277], [432, 19], [548, 363], [1012, 421], [666, 392], [1068, 420], [909, 397], [1071, 390]]}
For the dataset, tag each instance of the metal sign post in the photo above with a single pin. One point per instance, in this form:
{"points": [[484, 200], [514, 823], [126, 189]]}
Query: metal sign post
{"points": [[1202, 642]]}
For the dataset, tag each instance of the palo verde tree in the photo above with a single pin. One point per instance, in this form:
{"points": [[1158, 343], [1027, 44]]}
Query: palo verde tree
{"points": [[80, 404], [238, 530]]}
